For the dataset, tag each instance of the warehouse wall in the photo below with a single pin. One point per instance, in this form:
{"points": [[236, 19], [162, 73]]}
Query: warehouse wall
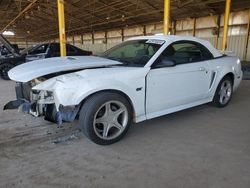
{"points": [[206, 28], [21, 42]]}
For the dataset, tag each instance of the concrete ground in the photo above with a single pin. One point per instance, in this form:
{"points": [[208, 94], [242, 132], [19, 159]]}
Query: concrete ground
{"points": [[202, 147]]}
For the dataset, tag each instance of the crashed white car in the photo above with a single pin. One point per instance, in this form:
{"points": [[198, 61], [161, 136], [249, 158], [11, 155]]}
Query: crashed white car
{"points": [[141, 78]]}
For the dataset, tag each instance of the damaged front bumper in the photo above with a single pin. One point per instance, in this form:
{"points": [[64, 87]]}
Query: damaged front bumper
{"points": [[41, 103]]}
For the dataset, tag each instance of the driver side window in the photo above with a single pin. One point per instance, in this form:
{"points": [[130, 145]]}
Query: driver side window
{"points": [[39, 50], [184, 52]]}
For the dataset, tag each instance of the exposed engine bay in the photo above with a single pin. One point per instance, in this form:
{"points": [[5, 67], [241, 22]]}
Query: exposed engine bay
{"points": [[41, 103], [44, 102]]}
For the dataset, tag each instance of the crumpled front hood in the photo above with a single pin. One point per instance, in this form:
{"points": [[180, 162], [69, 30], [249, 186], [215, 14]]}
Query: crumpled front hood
{"points": [[38, 68]]}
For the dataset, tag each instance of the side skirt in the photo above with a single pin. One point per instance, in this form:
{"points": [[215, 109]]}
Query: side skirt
{"points": [[177, 108]]}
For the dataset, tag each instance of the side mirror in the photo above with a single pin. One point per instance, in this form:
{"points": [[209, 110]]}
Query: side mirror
{"points": [[165, 62]]}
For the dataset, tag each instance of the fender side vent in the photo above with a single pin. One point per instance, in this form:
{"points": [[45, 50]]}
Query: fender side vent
{"points": [[212, 79]]}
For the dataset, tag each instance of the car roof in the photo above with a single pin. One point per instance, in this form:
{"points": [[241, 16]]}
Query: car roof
{"points": [[49, 43], [175, 38]]}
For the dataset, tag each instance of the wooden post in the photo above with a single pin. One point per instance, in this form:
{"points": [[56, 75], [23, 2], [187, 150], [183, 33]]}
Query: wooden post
{"points": [[106, 37], [194, 26], [174, 27], [81, 39], [73, 39], [93, 37], [144, 30], [218, 32], [122, 34]]}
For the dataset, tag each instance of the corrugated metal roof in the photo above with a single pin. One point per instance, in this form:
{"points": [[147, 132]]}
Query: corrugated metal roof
{"points": [[95, 15]]}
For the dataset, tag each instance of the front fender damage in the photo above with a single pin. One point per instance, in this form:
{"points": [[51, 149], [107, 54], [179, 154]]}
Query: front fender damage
{"points": [[42, 103], [64, 114]]}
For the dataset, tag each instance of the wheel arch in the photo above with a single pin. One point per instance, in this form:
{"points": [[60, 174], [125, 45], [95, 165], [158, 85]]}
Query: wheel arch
{"points": [[114, 91], [215, 99], [230, 75]]}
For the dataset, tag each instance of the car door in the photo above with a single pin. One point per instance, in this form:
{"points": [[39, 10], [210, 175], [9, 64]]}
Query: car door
{"points": [[38, 52], [71, 51], [54, 50], [170, 87]]}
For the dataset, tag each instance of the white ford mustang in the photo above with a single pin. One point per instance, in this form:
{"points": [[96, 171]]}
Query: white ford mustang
{"points": [[139, 79]]}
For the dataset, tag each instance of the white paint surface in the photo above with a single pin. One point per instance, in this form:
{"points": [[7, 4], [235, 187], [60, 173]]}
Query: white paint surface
{"points": [[164, 90]]}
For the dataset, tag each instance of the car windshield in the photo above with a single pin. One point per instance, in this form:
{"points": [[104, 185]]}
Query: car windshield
{"points": [[26, 50], [134, 52]]}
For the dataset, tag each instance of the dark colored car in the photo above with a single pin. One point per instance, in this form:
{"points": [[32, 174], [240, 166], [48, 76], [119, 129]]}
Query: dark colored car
{"points": [[40, 51], [4, 50]]}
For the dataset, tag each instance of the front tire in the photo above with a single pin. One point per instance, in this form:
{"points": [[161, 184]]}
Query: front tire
{"points": [[105, 117], [224, 91]]}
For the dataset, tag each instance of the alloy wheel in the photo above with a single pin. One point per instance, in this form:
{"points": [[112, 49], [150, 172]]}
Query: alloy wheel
{"points": [[225, 92], [110, 120]]}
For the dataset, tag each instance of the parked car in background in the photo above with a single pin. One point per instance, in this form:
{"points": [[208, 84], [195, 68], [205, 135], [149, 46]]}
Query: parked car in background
{"points": [[10, 56], [5, 52], [40, 51], [139, 79], [48, 50]]}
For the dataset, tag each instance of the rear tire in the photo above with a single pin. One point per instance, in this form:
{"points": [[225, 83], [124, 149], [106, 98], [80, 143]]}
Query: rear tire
{"points": [[4, 69], [224, 92], [105, 117]]}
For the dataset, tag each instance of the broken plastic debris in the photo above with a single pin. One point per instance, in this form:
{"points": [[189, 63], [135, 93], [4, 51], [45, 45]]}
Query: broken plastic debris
{"points": [[63, 139]]}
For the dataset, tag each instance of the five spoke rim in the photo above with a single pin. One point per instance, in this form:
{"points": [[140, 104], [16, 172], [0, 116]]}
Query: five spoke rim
{"points": [[225, 92], [110, 120]]}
